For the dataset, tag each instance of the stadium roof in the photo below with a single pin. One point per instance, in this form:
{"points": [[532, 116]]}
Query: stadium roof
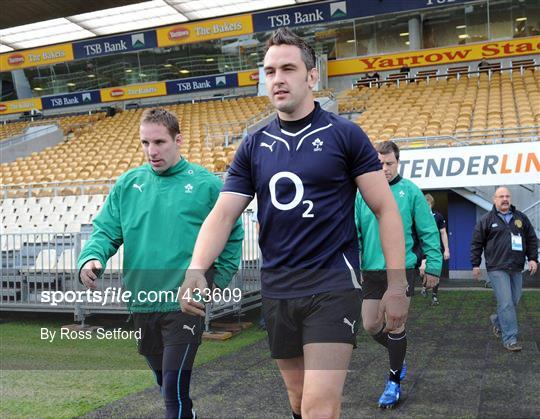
{"points": [[34, 23]]}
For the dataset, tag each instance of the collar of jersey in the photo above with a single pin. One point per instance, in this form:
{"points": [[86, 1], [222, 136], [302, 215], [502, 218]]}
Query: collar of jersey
{"points": [[316, 119], [395, 180], [316, 115], [301, 139], [177, 168], [294, 134]]}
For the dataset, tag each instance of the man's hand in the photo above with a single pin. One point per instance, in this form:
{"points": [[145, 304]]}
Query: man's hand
{"points": [[422, 268], [533, 266], [393, 308], [430, 281], [193, 287], [476, 274], [446, 254], [90, 272]]}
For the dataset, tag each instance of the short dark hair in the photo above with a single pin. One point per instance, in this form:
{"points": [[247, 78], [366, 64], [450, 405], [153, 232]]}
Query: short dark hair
{"points": [[163, 117], [387, 147], [284, 36]]}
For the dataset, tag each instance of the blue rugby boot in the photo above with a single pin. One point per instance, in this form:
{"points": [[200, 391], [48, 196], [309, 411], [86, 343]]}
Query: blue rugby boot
{"points": [[390, 396], [403, 373]]}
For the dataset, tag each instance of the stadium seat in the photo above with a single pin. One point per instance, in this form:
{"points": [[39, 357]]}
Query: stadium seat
{"points": [[475, 108]]}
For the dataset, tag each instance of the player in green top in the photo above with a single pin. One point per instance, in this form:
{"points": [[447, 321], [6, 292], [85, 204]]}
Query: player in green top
{"points": [[417, 223], [156, 211]]}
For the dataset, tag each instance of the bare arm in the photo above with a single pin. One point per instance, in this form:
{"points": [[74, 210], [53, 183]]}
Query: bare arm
{"points": [[210, 243], [394, 305], [444, 238], [374, 188], [216, 229]]}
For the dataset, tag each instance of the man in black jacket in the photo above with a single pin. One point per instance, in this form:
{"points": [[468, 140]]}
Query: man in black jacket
{"points": [[506, 236]]}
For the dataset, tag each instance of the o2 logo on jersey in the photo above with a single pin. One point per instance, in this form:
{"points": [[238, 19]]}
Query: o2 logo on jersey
{"points": [[298, 196]]}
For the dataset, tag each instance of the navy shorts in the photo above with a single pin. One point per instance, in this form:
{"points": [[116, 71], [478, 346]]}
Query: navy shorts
{"points": [[330, 317], [163, 329], [375, 283]]}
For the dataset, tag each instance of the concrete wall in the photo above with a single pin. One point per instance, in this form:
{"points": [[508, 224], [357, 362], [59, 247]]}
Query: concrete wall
{"points": [[35, 142], [522, 195]]}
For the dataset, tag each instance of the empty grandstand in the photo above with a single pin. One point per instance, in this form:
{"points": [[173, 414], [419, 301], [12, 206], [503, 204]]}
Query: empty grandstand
{"points": [[105, 148], [476, 108]]}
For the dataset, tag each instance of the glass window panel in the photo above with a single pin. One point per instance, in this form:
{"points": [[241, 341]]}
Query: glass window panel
{"points": [[8, 87], [443, 27], [525, 18], [366, 43], [500, 19], [391, 33]]}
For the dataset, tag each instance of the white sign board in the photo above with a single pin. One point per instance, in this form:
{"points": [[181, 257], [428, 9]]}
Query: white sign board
{"points": [[484, 165]]}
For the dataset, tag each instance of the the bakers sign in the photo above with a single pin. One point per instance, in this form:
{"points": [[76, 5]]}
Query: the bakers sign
{"points": [[133, 91], [15, 59], [36, 57], [178, 33], [248, 78], [116, 93], [21, 105], [204, 30], [485, 165]]}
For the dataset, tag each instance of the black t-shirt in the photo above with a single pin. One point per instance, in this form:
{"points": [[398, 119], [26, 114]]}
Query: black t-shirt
{"points": [[441, 223]]}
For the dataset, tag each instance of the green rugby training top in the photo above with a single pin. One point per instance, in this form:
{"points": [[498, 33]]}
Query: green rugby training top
{"points": [[417, 220], [157, 218]]}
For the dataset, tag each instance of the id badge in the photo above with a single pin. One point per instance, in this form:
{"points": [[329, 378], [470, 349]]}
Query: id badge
{"points": [[517, 243]]}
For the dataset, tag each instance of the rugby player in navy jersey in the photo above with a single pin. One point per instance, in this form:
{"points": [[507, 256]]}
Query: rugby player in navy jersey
{"points": [[305, 168]]}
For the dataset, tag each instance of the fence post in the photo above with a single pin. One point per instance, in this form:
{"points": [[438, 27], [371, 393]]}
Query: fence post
{"points": [[207, 317]]}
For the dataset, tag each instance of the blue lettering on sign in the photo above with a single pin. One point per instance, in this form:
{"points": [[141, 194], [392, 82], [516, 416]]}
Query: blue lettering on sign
{"points": [[222, 81], [71, 99], [115, 44], [339, 10], [297, 16]]}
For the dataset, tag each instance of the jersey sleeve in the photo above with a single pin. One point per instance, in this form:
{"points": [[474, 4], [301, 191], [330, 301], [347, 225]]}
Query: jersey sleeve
{"points": [[239, 178], [427, 232], [228, 261], [441, 222], [107, 234], [362, 155]]}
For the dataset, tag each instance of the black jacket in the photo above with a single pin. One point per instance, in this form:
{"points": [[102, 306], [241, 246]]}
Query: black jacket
{"points": [[493, 236]]}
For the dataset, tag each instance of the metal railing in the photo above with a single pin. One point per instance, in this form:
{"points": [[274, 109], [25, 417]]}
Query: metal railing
{"points": [[533, 214], [28, 136], [410, 78], [475, 137], [62, 188], [40, 189], [228, 133], [35, 267]]}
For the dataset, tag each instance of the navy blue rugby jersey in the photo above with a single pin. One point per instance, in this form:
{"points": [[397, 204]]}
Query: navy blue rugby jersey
{"points": [[305, 192]]}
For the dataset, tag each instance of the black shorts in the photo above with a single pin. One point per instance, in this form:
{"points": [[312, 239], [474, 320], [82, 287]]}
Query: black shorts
{"points": [[330, 317], [375, 283], [163, 329]]}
